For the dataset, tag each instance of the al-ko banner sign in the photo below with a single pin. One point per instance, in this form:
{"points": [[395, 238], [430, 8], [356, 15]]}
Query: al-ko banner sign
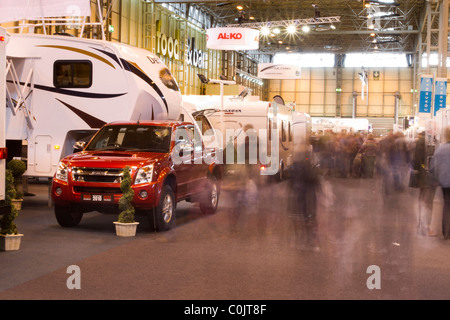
{"points": [[278, 71], [232, 38]]}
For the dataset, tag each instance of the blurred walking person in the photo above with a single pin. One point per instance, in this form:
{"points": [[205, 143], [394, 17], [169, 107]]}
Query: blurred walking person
{"points": [[369, 151], [305, 185], [421, 178], [440, 167]]}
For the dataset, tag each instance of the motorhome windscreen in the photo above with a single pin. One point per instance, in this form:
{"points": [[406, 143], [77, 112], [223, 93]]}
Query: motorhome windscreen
{"points": [[140, 138]]}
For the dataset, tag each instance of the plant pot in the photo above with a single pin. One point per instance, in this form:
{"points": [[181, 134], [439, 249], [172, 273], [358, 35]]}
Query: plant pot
{"points": [[10, 242], [126, 229], [17, 203]]}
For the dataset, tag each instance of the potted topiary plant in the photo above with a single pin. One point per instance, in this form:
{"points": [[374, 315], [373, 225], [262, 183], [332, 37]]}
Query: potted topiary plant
{"points": [[17, 168], [9, 235], [126, 225]]}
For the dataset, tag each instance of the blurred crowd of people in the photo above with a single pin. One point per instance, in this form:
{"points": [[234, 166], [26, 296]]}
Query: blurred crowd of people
{"points": [[391, 158], [362, 155]]}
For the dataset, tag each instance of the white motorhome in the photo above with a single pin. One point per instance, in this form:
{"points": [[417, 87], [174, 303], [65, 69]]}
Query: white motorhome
{"points": [[276, 126], [61, 89]]}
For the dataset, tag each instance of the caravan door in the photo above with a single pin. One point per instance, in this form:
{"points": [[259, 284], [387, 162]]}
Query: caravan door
{"points": [[43, 154]]}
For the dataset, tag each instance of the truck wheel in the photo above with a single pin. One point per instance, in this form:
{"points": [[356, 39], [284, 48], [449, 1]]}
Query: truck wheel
{"points": [[67, 216], [210, 199], [164, 213]]}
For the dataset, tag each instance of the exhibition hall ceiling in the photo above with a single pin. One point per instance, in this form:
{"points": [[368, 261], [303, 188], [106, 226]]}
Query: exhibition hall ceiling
{"points": [[335, 25]]}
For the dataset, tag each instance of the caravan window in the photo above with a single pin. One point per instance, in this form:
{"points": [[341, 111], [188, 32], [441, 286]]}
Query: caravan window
{"points": [[72, 74]]}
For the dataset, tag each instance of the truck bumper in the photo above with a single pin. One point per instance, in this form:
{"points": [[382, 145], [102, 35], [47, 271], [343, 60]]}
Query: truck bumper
{"points": [[97, 197]]}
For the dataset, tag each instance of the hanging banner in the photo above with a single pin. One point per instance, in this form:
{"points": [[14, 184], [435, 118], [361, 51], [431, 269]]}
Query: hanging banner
{"points": [[278, 71], [16, 10], [426, 92], [440, 94], [232, 38]]}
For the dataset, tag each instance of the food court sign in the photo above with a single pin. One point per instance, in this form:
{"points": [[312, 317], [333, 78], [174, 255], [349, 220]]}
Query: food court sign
{"points": [[228, 38], [166, 45]]}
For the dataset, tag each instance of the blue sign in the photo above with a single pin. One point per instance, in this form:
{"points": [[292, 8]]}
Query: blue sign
{"points": [[440, 94], [426, 92]]}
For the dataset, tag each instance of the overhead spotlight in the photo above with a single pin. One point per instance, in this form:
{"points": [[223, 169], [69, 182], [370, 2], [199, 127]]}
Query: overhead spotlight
{"points": [[333, 26], [306, 28], [276, 30], [291, 29], [372, 34], [265, 31], [239, 7]]}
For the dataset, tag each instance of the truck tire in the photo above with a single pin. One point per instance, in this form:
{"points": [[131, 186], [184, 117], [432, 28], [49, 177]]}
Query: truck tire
{"points": [[164, 214], [67, 216], [210, 199]]}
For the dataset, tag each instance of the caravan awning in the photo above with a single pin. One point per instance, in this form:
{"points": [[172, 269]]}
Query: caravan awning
{"points": [[17, 10]]}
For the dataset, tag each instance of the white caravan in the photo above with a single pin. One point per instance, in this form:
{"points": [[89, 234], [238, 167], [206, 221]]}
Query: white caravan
{"points": [[276, 126], [61, 89], [340, 125]]}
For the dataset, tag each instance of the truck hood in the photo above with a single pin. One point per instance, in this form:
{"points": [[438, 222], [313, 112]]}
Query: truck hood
{"points": [[113, 159]]}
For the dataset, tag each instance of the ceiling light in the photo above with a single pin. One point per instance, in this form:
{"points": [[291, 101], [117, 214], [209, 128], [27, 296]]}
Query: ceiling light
{"points": [[239, 7], [251, 18], [276, 30], [265, 31], [333, 26], [291, 29], [306, 28], [280, 42], [372, 34]]}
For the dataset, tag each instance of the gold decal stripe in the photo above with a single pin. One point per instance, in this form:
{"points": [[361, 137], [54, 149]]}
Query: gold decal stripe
{"points": [[90, 54]]}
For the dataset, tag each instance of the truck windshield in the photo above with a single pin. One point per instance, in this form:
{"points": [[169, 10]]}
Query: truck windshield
{"points": [[132, 138]]}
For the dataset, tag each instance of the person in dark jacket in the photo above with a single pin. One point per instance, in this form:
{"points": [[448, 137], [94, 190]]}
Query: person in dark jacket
{"points": [[422, 179], [440, 167], [369, 151], [304, 186]]}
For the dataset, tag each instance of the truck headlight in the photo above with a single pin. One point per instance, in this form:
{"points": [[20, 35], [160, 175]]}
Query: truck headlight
{"points": [[62, 172], [144, 175]]}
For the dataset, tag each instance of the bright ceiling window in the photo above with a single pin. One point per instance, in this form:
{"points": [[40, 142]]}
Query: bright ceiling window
{"points": [[314, 60], [379, 60]]}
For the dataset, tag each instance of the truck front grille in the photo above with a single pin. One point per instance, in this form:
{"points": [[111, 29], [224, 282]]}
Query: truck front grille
{"points": [[79, 189], [105, 175]]}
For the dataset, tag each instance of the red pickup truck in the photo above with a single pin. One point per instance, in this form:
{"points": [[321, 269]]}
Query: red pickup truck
{"points": [[168, 164]]}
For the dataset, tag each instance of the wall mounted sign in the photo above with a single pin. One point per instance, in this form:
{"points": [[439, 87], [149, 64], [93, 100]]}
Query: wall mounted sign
{"points": [[278, 71], [426, 91], [440, 94], [166, 46], [228, 38], [194, 56], [376, 75]]}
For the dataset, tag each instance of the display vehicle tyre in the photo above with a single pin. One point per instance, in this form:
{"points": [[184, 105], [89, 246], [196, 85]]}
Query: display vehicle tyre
{"points": [[67, 216], [210, 199], [162, 217]]}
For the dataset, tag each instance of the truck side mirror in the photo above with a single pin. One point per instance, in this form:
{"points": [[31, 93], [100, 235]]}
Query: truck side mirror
{"points": [[79, 146]]}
